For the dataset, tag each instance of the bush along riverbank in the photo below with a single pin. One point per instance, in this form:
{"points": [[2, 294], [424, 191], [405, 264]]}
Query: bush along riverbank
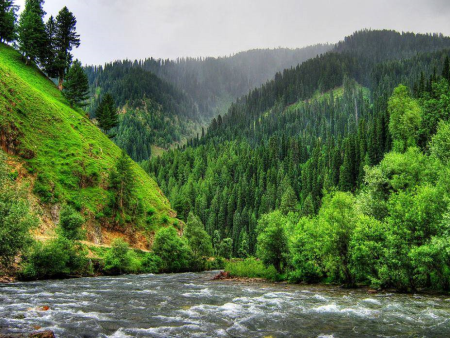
{"points": [[67, 255]]}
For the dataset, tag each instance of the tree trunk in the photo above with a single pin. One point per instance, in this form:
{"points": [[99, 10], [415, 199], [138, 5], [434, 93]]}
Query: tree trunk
{"points": [[60, 84]]}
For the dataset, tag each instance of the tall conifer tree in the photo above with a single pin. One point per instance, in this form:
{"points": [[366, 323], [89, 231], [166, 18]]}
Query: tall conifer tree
{"points": [[66, 38], [76, 88], [32, 36], [8, 19]]}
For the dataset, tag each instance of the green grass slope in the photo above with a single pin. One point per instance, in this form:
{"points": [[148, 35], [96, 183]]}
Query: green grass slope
{"points": [[68, 157]]}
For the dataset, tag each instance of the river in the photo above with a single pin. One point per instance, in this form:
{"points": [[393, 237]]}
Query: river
{"points": [[192, 305]]}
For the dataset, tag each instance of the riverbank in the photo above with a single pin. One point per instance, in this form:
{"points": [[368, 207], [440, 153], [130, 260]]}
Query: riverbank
{"points": [[227, 277]]}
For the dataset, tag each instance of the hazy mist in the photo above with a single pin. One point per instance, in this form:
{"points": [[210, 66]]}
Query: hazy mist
{"points": [[113, 29]]}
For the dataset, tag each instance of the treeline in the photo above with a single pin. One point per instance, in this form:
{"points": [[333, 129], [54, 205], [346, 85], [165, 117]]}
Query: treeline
{"points": [[382, 45], [269, 153], [393, 233], [48, 45]]}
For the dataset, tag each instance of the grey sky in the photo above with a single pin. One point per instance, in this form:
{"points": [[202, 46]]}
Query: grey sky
{"points": [[113, 29]]}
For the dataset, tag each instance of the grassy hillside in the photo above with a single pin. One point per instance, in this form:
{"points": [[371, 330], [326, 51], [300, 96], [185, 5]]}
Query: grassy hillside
{"points": [[66, 156]]}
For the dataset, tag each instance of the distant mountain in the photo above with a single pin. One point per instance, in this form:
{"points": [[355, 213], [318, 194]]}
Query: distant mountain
{"points": [[165, 102], [213, 83], [378, 60]]}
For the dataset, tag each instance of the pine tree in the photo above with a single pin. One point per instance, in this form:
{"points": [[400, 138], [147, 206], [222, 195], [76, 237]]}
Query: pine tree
{"points": [[65, 39], [49, 62], [122, 183], [198, 239], [32, 36], [76, 89], [106, 114], [446, 70], [288, 201], [8, 19], [244, 248]]}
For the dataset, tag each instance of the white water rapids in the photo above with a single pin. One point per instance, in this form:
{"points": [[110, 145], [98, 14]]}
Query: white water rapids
{"points": [[192, 305]]}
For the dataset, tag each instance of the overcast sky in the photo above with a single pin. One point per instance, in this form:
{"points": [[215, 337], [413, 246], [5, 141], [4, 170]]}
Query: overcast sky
{"points": [[134, 29]]}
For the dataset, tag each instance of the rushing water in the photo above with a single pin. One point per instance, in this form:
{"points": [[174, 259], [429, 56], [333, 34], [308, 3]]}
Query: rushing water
{"points": [[192, 305]]}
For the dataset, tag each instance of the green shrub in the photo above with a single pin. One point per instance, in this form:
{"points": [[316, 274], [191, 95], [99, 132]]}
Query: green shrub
{"points": [[13, 175], [151, 263], [57, 258], [71, 223], [120, 259], [165, 219], [251, 268], [42, 188]]}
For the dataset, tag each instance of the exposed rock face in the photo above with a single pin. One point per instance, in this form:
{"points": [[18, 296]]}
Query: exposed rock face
{"points": [[55, 212]]}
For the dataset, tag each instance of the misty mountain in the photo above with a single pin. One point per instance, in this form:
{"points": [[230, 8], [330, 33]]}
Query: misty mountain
{"points": [[165, 102]]}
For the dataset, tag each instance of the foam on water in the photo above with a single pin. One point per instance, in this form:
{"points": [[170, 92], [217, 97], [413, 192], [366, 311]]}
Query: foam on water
{"points": [[191, 305]]}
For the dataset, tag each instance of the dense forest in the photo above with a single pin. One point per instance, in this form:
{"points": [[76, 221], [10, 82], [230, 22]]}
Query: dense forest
{"points": [[335, 137], [164, 102], [153, 112]]}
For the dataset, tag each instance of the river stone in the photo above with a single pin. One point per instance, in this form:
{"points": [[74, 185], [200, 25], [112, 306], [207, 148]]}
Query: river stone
{"points": [[40, 334]]}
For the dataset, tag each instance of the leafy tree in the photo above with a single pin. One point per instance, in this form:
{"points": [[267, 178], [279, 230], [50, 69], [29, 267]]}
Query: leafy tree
{"points": [[198, 239], [406, 118], [272, 241], [306, 257], [16, 220], [337, 218], [76, 88], [65, 39], [32, 35], [440, 145], [172, 249], [120, 259], [151, 263], [366, 249], [71, 223], [8, 19]]}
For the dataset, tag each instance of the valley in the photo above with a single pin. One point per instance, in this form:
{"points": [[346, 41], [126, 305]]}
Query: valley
{"points": [[273, 192]]}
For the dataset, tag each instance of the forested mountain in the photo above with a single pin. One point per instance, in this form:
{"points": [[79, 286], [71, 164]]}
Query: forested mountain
{"points": [[153, 112], [311, 131], [166, 108], [213, 83]]}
